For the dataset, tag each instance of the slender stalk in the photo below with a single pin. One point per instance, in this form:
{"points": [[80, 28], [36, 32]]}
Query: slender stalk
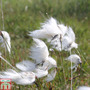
{"points": [[71, 72], [11, 65], [62, 58], [2, 16], [8, 63], [2, 22]]}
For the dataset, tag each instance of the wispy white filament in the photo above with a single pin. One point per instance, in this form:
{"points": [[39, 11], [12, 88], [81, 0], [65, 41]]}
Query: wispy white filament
{"points": [[26, 65], [71, 73], [8, 63], [6, 41], [51, 75]]}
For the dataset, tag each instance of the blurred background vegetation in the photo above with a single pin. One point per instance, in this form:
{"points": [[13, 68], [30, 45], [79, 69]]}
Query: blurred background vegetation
{"points": [[21, 16]]}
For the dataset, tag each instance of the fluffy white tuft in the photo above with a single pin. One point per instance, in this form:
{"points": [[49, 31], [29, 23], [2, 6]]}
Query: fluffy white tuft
{"points": [[51, 75], [48, 30], [22, 78], [40, 73], [5, 39], [26, 65], [74, 58], [39, 51]]}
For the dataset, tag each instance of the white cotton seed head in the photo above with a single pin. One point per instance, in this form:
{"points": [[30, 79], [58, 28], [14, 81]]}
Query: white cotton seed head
{"points": [[51, 26], [64, 41], [22, 78], [39, 51], [74, 58], [6, 40], [48, 30]]}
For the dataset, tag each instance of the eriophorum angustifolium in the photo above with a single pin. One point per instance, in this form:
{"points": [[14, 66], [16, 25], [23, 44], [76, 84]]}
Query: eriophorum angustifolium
{"points": [[67, 41], [42, 65]]}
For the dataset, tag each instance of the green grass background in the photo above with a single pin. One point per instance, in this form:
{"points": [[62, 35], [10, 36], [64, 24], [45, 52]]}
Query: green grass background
{"points": [[21, 16]]}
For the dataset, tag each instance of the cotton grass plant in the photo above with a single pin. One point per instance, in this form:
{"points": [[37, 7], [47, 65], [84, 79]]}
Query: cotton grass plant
{"points": [[43, 66], [59, 50]]}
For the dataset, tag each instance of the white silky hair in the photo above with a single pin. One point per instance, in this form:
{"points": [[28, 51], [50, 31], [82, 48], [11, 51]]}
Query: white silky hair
{"points": [[48, 30], [1, 39], [66, 42], [26, 65], [39, 73], [50, 63], [83, 88], [5, 39], [40, 55], [39, 51], [55, 43], [60, 36], [70, 33], [63, 29], [27, 78], [69, 39], [22, 78], [27, 73], [74, 58], [10, 73], [51, 75]]}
